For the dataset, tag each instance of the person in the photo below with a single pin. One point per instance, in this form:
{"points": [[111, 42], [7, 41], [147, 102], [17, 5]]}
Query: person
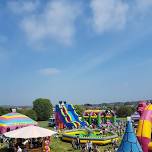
{"points": [[89, 146], [55, 128], [40, 140], [19, 149], [83, 148], [78, 142], [25, 143], [25, 149], [109, 150], [10, 146], [113, 142], [47, 143], [73, 143], [116, 144], [95, 149], [101, 132]]}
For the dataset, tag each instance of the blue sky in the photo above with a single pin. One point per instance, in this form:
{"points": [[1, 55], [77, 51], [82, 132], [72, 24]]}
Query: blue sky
{"points": [[88, 51]]}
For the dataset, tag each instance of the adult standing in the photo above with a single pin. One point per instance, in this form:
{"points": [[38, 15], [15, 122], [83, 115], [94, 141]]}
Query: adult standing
{"points": [[89, 146], [19, 149], [95, 149], [78, 142]]}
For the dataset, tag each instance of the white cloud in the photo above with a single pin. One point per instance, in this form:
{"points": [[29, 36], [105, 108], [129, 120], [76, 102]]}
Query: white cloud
{"points": [[19, 7], [108, 15], [55, 22], [49, 71], [111, 15]]}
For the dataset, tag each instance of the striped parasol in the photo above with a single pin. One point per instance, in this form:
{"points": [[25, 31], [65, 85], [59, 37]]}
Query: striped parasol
{"points": [[12, 121]]}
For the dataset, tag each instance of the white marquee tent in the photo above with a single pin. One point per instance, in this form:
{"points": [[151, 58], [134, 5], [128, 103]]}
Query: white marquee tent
{"points": [[30, 132]]}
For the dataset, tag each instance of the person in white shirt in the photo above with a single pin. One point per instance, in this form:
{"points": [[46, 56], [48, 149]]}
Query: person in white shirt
{"points": [[19, 149], [89, 146]]}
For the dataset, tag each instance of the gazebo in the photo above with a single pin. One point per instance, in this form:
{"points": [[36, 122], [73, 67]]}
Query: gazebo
{"points": [[30, 132], [41, 137], [13, 120]]}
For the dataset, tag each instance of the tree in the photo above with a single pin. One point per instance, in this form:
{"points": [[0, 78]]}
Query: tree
{"points": [[79, 109], [43, 108], [128, 103], [4, 110], [124, 111], [28, 112]]}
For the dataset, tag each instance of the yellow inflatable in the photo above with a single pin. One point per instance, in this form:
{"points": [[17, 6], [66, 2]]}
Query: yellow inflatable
{"points": [[144, 130]]}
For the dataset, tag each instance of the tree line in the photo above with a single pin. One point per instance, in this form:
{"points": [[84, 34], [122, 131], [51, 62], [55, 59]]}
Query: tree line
{"points": [[121, 110], [43, 109]]}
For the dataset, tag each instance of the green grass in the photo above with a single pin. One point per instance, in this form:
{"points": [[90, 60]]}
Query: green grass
{"points": [[3, 148], [122, 119], [43, 124], [59, 146]]}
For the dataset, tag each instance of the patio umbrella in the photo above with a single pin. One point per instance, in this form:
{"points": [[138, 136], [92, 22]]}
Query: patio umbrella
{"points": [[30, 132]]}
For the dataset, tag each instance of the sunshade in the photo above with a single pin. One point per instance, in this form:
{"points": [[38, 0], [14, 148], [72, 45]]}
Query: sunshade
{"points": [[12, 121], [30, 132]]}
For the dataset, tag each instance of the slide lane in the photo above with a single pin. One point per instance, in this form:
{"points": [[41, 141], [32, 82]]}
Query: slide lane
{"points": [[68, 117]]}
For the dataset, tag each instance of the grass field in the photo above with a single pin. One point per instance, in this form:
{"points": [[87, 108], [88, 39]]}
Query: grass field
{"points": [[59, 146], [43, 124]]}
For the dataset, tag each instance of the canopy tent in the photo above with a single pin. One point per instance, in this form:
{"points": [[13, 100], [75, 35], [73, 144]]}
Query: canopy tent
{"points": [[12, 121], [30, 132], [135, 116]]}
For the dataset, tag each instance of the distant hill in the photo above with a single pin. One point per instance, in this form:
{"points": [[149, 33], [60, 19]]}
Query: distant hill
{"points": [[17, 107], [112, 104]]}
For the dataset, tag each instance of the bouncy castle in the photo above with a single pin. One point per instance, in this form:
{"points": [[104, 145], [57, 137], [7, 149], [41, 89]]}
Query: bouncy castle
{"points": [[144, 131], [66, 116], [99, 116]]}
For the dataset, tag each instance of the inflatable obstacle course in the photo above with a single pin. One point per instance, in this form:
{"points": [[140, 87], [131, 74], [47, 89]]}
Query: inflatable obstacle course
{"points": [[99, 116], [86, 136]]}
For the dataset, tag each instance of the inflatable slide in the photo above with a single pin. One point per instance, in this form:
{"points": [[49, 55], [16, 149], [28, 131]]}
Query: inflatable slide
{"points": [[65, 116]]}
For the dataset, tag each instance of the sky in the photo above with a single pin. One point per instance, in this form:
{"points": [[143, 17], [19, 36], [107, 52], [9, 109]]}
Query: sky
{"points": [[84, 51]]}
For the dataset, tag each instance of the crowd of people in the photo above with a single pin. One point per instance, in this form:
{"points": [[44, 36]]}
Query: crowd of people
{"points": [[88, 147], [117, 128], [25, 145]]}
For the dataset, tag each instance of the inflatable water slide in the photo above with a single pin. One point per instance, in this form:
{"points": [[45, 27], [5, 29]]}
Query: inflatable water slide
{"points": [[65, 116]]}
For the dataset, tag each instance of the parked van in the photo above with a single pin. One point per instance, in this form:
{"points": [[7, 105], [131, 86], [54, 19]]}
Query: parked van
{"points": [[51, 122]]}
